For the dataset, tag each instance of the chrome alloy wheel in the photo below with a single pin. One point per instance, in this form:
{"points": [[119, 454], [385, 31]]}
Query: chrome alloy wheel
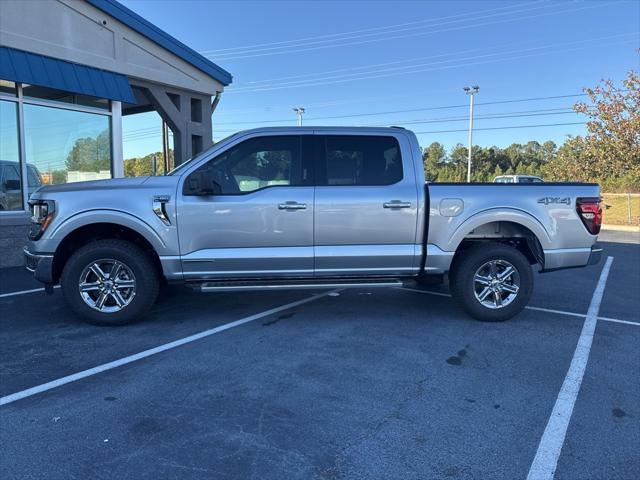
{"points": [[496, 284], [107, 285]]}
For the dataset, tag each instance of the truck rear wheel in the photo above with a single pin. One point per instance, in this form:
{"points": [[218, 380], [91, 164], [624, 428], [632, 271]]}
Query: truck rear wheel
{"points": [[492, 281], [110, 282]]}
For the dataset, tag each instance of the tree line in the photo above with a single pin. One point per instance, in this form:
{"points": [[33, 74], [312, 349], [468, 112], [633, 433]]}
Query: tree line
{"points": [[531, 158], [608, 154]]}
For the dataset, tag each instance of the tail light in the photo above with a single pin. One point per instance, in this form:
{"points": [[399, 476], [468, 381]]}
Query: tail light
{"points": [[590, 213]]}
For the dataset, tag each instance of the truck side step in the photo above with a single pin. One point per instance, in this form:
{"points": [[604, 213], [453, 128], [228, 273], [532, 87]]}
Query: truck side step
{"points": [[237, 286]]}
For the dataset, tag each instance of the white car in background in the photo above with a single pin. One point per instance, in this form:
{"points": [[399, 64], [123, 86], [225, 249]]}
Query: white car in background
{"points": [[517, 179]]}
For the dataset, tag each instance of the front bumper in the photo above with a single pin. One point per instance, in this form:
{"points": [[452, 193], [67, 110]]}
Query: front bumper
{"points": [[40, 264], [596, 254]]}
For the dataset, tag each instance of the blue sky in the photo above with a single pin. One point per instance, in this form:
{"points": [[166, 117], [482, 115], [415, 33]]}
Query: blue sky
{"points": [[346, 59]]}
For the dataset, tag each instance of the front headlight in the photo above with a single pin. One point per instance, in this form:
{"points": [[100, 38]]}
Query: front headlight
{"points": [[42, 212]]}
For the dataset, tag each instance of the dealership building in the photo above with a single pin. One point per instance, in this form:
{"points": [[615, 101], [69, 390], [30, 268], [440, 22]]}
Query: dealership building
{"points": [[70, 70]]}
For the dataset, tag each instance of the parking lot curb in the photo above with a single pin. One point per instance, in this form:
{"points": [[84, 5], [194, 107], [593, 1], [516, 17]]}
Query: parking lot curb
{"points": [[622, 228]]}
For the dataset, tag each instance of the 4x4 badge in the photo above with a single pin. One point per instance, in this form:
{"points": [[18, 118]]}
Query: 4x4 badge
{"points": [[551, 200]]}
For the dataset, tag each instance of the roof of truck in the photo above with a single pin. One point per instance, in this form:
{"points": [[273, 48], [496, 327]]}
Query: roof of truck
{"points": [[326, 129]]}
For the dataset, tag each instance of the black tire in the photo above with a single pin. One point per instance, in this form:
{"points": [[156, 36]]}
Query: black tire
{"points": [[132, 257], [464, 288]]}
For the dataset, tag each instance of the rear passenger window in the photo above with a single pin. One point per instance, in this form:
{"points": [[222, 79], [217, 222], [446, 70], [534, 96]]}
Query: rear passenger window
{"points": [[361, 160]]}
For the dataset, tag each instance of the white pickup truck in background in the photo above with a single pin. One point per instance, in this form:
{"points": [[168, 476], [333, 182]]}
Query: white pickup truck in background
{"points": [[517, 179]]}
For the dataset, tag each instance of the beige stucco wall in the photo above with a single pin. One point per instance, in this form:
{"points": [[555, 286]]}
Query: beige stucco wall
{"points": [[74, 30]]}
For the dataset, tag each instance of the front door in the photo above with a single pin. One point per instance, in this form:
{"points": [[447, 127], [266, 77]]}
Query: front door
{"points": [[260, 221], [366, 207]]}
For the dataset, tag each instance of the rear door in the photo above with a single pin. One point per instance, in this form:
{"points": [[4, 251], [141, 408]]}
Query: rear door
{"points": [[366, 206], [260, 224]]}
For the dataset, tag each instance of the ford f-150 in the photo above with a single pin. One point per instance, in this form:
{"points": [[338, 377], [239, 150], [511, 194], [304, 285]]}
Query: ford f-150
{"points": [[306, 207]]}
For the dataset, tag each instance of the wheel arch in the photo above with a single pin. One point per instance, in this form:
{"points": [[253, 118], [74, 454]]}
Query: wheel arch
{"points": [[512, 227], [85, 233]]}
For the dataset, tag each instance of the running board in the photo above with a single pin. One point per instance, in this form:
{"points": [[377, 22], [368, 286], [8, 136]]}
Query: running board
{"points": [[239, 286]]}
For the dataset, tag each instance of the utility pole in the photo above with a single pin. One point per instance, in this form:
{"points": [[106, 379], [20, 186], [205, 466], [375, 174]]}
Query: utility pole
{"points": [[154, 165], [299, 111], [471, 91], [165, 147]]}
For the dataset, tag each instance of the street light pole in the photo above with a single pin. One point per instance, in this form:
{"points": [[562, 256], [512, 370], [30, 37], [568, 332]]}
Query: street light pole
{"points": [[471, 91], [299, 111]]}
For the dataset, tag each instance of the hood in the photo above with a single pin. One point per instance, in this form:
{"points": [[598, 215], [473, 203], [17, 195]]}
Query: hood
{"points": [[110, 184]]}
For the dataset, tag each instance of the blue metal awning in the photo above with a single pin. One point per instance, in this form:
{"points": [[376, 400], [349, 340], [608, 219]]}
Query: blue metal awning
{"points": [[19, 66]]}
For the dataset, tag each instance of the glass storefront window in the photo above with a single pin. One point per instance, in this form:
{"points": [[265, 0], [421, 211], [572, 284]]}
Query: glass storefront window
{"points": [[8, 87], [53, 95], [10, 184], [66, 145], [62, 143]]}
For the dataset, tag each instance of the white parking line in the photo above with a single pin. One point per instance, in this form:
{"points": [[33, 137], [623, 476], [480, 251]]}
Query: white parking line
{"points": [[538, 309], [546, 459], [615, 320], [559, 312], [152, 351], [428, 292], [22, 292]]}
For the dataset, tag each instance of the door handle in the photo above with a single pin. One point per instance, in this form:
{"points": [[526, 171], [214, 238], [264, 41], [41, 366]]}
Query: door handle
{"points": [[292, 206], [396, 204]]}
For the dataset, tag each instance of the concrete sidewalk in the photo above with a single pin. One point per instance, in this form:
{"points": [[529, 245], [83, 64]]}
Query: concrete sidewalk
{"points": [[622, 228]]}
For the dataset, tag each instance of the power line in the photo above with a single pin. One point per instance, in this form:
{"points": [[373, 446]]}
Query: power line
{"points": [[334, 35], [477, 117], [506, 127], [491, 116], [412, 122], [347, 38], [430, 32], [151, 132], [372, 75], [424, 109], [330, 103], [382, 36], [327, 104], [350, 69], [323, 78], [139, 134]]}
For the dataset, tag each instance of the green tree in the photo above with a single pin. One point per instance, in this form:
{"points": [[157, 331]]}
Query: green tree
{"points": [[548, 151], [143, 166], [432, 157], [90, 154], [610, 152]]}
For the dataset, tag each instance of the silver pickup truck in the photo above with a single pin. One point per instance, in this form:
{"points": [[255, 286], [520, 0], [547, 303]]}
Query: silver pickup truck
{"points": [[306, 207]]}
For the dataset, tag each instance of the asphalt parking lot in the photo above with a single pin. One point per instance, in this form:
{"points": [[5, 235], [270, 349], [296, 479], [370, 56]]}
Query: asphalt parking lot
{"points": [[354, 384]]}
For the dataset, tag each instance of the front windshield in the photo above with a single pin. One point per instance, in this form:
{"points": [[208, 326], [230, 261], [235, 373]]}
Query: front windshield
{"points": [[178, 170]]}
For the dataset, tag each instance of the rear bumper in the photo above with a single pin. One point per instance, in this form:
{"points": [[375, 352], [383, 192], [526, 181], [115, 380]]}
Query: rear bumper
{"points": [[40, 264], [596, 254], [571, 257]]}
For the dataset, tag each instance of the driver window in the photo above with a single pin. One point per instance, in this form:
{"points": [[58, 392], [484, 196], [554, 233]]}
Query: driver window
{"points": [[258, 163]]}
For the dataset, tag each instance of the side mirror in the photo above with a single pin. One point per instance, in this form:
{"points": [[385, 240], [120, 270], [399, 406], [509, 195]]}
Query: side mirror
{"points": [[12, 185], [201, 183]]}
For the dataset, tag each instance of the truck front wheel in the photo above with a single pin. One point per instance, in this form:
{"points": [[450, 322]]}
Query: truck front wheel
{"points": [[110, 282], [492, 281]]}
